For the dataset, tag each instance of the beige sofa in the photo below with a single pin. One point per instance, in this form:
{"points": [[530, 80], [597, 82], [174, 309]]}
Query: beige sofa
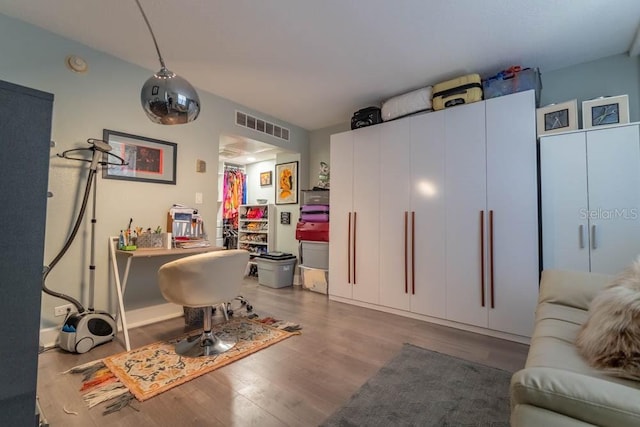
{"points": [[557, 387]]}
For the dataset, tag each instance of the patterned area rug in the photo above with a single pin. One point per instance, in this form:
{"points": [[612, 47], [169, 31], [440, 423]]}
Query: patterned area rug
{"points": [[155, 368]]}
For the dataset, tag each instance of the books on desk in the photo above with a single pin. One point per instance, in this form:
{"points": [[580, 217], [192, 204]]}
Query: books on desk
{"points": [[188, 244]]}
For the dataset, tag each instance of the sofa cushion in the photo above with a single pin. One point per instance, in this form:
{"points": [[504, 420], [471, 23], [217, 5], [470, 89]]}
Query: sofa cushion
{"points": [[571, 288], [557, 352], [547, 310], [532, 416], [583, 397]]}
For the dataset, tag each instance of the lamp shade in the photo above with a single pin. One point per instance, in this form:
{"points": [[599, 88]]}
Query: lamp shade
{"points": [[169, 99]]}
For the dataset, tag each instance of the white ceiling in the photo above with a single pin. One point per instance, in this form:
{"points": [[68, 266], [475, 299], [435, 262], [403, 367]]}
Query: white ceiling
{"points": [[243, 151], [314, 62]]}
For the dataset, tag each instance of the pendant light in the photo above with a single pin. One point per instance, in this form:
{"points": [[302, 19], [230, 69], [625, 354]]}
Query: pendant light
{"points": [[167, 98]]}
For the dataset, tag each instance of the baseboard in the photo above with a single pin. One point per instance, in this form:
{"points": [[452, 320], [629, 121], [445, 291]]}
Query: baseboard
{"points": [[135, 318], [443, 322]]}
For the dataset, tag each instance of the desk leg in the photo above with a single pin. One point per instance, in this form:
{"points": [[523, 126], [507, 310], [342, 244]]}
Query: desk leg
{"points": [[120, 292]]}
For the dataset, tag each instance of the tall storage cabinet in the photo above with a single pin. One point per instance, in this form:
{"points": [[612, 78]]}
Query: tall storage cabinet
{"points": [[411, 220], [458, 214], [466, 202], [354, 251], [492, 214], [590, 199], [25, 133], [512, 204]]}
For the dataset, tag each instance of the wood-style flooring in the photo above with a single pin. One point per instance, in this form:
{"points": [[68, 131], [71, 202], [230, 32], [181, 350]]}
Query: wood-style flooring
{"points": [[297, 382]]}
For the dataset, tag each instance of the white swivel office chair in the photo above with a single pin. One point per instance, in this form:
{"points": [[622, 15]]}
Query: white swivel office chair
{"points": [[204, 280]]}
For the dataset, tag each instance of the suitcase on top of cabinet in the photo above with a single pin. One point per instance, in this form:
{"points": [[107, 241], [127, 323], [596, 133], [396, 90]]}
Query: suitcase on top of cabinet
{"points": [[463, 90], [366, 117], [314, 213], [408, 103]]}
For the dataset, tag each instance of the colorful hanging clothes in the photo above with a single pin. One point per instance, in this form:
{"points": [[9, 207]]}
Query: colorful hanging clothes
{"points": [[235, 194]]}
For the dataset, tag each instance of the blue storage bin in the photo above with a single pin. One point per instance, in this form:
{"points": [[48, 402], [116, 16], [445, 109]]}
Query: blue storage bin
{"points": [[512, 81]]}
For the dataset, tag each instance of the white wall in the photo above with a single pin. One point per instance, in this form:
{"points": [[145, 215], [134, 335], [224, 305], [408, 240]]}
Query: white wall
{"points": [[319, 149], [254, 190], [108, 97], [614, 75]]}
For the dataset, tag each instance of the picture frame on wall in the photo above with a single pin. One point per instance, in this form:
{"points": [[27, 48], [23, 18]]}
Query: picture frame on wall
{"points": [[287, 183], [557, 118], [610, 110], [265, 179], [147, 159]]}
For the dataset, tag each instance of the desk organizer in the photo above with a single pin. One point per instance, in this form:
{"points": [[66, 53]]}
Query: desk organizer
{"points": [[150, 240]]}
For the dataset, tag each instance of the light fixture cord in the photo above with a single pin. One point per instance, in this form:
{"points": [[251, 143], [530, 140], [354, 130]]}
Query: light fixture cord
{"points": [[152, 35]]}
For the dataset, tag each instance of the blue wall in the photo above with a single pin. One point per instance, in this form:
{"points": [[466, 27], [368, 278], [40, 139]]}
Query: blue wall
{"points": [[614, 75]]}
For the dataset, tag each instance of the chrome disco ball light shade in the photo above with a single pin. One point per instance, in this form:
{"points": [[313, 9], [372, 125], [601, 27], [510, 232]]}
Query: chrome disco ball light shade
{"points": [[167, 98]]}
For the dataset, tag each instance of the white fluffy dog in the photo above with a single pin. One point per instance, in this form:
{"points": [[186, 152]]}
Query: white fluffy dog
{"points": [[610, 338]]}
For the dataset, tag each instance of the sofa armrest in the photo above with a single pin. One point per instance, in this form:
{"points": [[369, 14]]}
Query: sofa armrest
{"points": [[571, 288], [589, 399]]}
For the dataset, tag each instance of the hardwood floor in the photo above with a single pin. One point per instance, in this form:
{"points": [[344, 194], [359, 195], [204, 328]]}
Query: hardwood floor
{"points": [[297, 382]]}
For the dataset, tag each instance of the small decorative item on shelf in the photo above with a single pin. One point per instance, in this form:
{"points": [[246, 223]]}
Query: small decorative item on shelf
{"points": [[603, 111], [323, 176], [557, 118]]}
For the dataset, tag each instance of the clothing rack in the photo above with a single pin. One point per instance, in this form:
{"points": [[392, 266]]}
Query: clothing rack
{"points": [[232, 167]]}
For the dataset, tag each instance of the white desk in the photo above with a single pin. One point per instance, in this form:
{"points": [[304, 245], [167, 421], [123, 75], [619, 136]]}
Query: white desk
{"points": [[121, 282]]}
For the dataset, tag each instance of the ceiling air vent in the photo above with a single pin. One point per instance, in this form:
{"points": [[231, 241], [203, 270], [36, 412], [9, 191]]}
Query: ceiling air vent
{"points": [[251, 122]]}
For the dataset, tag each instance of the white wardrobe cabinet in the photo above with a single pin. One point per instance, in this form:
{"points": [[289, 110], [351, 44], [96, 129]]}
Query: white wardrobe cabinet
{"points": [[455, 216], [466, 214], [354, 246], [492, 214], [590, 184], [512, 204], [412, 217]]}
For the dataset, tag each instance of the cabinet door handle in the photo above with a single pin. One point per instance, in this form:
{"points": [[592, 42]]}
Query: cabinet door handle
{"points": [[581, 236], [413, 252], [355, 222], [406, 255], [491, 258], [593, 237], [482, 257], [349, 251]]}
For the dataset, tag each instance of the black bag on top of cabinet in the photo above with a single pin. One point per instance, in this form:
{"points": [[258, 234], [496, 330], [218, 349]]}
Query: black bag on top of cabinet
{"points": [[366, 117]]}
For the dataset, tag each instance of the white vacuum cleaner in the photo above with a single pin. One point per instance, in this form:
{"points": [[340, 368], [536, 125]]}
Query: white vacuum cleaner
{"points": [[86, 328]]}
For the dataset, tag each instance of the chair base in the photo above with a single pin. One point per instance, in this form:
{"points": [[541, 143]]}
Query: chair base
{"points": [[204, 345]]}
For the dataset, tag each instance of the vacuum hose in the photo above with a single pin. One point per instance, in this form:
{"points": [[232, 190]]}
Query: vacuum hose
{"points": [[48, 268]]}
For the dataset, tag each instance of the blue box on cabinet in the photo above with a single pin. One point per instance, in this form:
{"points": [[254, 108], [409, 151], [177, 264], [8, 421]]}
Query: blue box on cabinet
{"points": [[511, 81]]}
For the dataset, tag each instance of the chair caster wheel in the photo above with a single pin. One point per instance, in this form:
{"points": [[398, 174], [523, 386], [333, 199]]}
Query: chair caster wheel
{"points": [[229, 312], [249, 307]]}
